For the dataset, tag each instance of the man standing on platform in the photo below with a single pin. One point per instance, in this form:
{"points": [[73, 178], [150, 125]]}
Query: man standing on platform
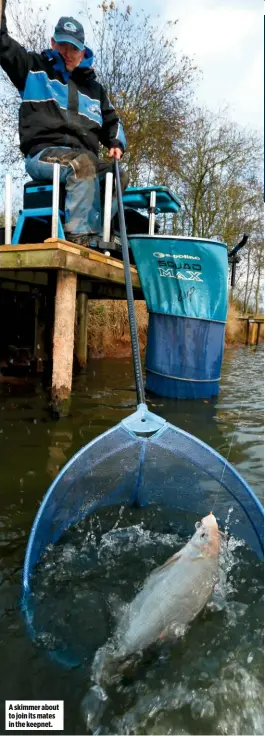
{"points": [[64, 115]]}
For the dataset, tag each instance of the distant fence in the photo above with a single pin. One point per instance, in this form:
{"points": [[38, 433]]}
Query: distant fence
{"points": [[254, 329]]}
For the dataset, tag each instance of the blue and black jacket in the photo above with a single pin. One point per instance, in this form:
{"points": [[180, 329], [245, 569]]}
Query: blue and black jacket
{"points": [[59, 108]]}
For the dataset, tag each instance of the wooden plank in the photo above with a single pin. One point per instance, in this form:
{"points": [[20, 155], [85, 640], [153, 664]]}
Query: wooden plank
{"points": [[30, 259], [53, 245], [104, 271], [39, 257], [62, 240], [101, 290], [105, 290], [84, 285], [27, 246], [38, 278], [100, 258], [256, 319], [17, 286], [95, 255], [84, 250]]}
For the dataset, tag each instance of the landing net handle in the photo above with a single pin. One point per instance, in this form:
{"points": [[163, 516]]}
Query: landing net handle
{"points": [[129, 291]]}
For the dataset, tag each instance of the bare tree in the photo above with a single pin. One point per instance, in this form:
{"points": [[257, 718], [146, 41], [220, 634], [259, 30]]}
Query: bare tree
{"points": [[218, 179], [27, 25], [217, 164], [149, 84]]}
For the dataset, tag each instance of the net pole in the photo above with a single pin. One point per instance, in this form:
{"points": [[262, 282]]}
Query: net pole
{"points": [[129, 292]]}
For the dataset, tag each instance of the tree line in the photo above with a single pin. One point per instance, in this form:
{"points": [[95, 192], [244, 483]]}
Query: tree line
{"points": [[212, 163]]}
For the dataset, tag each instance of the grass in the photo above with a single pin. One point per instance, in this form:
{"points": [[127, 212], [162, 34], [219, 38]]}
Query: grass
{"points": [[108, 327], [235, 331]]}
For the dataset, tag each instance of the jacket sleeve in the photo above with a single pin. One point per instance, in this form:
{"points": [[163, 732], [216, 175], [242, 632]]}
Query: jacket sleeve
{"points": [[112, 134], [14, 59]]}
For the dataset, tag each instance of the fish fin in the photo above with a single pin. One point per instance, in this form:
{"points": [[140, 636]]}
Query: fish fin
{"points": [[163, 635], [116, 606], [92, 708], [170, 561]]}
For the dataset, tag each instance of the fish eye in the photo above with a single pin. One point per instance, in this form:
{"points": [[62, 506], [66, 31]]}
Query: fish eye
{"points": [[203, 534]]}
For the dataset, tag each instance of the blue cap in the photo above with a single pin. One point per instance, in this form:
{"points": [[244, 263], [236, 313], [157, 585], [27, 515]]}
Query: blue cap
{"points": [[69, 30]]}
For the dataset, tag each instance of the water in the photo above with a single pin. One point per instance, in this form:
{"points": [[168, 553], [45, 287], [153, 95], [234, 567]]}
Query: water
{"points": [[211, 682], [190, 683]]}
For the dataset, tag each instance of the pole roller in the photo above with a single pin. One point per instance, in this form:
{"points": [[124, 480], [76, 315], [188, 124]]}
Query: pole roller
{"points": [[8, 209], [107, 207], [152, 213]]}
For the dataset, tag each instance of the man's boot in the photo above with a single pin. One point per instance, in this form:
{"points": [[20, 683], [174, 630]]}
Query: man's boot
{"points": [[88, 240]]}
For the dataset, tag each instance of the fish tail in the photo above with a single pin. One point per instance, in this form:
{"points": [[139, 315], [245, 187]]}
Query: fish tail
{"points": [[104, 667], [95, 701], [92, 707]]}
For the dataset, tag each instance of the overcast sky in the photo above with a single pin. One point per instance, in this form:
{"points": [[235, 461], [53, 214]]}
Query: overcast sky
{"points": [[225, 37]]}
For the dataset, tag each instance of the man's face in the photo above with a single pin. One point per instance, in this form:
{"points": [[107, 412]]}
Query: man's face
{"points": [[71, 55]]}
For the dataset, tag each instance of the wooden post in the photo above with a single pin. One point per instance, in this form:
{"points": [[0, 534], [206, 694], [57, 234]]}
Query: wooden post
{"points": [[258, 332], [49, 307], [247, 330], [63, 341], [252, 332], [39, 337], [81, 338]]}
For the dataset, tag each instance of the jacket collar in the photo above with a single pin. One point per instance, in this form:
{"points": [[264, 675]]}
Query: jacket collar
{"points": [[59, 64]]}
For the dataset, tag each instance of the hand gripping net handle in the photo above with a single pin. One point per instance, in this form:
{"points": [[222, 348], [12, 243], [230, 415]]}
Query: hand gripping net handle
{"points": [[129, 291]]}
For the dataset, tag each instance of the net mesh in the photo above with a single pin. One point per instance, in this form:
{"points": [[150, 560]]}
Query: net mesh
{"points": [[103, 472]]}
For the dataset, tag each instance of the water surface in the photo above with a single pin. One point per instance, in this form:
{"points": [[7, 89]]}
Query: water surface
{"points": [[32, 450]]}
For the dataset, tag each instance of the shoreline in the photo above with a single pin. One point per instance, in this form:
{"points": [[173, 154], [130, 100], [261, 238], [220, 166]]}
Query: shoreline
{"points": [[109, 335]]}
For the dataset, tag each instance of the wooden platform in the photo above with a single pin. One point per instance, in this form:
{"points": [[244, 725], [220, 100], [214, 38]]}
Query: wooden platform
{"points": [[99, 276], [44, 292]]}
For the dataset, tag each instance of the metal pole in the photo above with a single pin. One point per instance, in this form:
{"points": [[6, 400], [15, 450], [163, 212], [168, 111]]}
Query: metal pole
{"points": [[152, 213], [55, 199], [129, 291], [8, 210], [107, 207]]}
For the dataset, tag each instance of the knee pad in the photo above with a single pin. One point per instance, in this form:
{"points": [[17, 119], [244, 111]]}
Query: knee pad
{"points": [[84, 166]]}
